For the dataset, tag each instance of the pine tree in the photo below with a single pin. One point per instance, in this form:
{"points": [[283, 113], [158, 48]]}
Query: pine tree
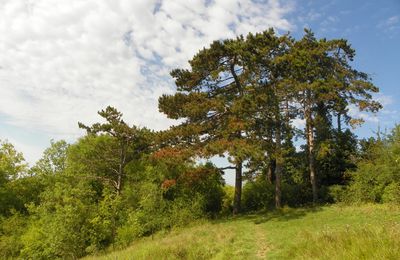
{"points": [[213, 99], [130, 143], [326, 84]]}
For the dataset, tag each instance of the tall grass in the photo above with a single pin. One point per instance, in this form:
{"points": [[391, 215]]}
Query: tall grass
{"points": [[360, 242], [209, 240], [331, 232]]}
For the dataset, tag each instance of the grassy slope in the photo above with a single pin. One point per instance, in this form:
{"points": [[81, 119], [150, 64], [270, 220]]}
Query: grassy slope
{"points": [[334, 232]]}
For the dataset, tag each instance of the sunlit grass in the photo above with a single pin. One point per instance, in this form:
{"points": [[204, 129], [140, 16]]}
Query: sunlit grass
{"points": [[331, 232], [353, 242]]}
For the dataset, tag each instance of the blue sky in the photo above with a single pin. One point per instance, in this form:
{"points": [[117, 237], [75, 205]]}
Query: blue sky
{"points": [[61, 61]]}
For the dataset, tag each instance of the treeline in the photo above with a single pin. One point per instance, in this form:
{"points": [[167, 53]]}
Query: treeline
{"points": [[239, 99]]}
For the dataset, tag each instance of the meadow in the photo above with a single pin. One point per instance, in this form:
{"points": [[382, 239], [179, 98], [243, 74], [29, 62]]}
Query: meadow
{"points": [[369, 231]]}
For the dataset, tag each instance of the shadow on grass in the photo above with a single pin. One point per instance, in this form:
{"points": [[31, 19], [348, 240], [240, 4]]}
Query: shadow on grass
{"points": [[284, 214]]}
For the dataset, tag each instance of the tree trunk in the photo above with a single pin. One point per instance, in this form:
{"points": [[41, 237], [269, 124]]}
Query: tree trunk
{"points": [[119, 178], [287, 126], [271, 160], [311, 159], [119, 183], [278, 166], [339, 123], [238, 189], [270, 170], [121, 167]]}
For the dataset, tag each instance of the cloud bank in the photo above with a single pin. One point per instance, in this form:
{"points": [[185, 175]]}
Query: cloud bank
{"points": [[62, 61]]}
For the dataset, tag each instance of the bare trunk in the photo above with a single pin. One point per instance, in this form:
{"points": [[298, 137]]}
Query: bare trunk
{"points": [[339, 123], [121, 168], [119, 184], [238, 189], [270, 171], [311, 159], [271, 161], [278, 167]]}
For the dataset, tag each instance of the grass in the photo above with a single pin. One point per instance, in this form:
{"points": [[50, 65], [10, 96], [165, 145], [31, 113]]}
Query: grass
{"points": [[330, 232]]}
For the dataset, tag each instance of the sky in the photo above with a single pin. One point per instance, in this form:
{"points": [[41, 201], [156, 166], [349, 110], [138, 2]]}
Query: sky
{"points": [[61, 61]]}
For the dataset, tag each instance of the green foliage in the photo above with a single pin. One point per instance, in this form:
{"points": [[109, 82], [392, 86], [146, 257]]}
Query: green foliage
{"points": [[60, 225], [16, 188], [53, 160], [335, 155], [11, 229], [104, 222], [204, 183], [131, 229], [176, 199], [86, 161], [392, 193], [296, 194], [377, 176], [12, 163], [155, 213], [227, 200], [337, 193], [123, 144], [25, 191], [258, 195]]}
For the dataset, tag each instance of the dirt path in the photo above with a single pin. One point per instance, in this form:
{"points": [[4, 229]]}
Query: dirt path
{"points": [[261, 242]]}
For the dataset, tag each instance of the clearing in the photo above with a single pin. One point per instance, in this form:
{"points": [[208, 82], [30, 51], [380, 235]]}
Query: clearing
{"points": [[329, 232]]}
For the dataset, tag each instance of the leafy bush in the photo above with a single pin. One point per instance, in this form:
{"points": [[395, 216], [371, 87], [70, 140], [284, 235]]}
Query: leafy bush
{"points": [[392, 193], [337, 193], [131, 229], [227, 200], [258, 195], [59, 227], [296, 194], [11, 229], [378, 174]]}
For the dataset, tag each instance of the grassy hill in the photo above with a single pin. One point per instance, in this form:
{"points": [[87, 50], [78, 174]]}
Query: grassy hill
{"points": [[329, 232]]}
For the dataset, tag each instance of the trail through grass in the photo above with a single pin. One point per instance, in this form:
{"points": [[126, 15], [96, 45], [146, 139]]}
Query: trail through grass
{"points": [[331, 232]]}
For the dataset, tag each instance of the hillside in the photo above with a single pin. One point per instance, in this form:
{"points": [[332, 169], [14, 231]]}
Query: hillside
{"points": [[329, 232]]}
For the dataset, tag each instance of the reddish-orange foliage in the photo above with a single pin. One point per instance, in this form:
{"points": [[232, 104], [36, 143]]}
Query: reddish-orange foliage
{"points": [[236, 124], [167, 153], [168, 184], [195, 176]]}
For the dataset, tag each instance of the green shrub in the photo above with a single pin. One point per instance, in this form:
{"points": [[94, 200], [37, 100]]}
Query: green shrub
{"points": [[296, 194], [227, 200], [392, 193], [337, 193], [60, 225], [104, 222], [11, 229], [257, 195], [131, 229], [377, 176]]}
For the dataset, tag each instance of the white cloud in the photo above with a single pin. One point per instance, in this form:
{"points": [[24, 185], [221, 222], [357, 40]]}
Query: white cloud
{"points": [[31, 153], [62, 61], [392, 20], [385, 100], [390, 25], [355, 113], [299, 123]]}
